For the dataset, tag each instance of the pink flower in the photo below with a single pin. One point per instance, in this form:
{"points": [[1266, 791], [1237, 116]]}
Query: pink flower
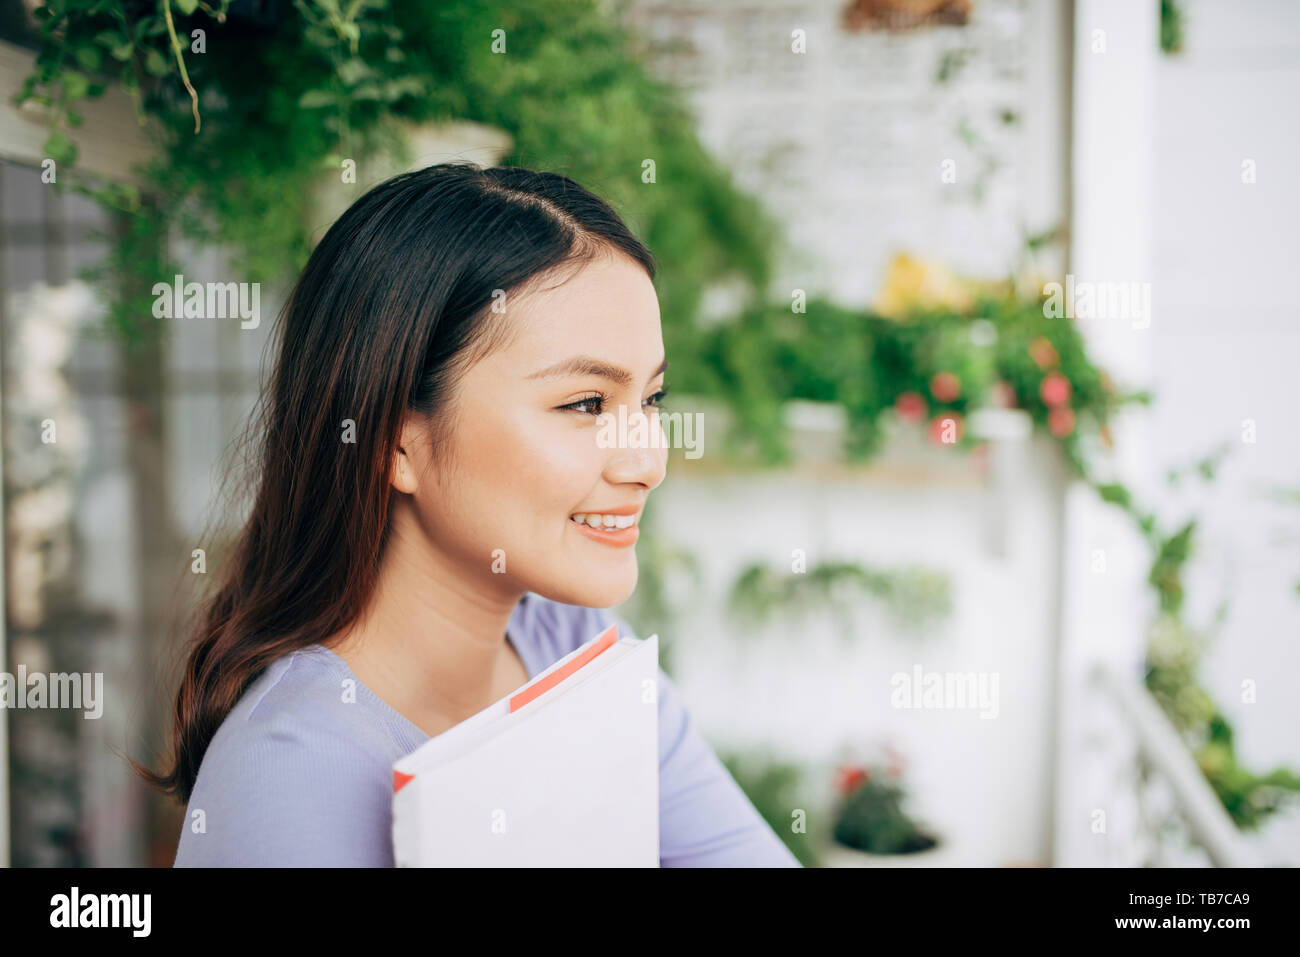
{"points": [[1056, 389], [945, 386], [947, 425], [1061, 421], [910, 406]]}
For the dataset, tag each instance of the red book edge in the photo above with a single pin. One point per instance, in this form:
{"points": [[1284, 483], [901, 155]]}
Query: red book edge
{"points": [[538, 688], [544, 685]]}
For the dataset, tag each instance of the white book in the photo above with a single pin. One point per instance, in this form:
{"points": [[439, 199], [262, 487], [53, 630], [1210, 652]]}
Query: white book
{"points": [[563, 772]]}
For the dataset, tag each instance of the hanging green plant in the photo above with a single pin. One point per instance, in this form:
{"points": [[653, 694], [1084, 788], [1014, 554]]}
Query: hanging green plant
{"points": [[914, 598], [253, 103]]}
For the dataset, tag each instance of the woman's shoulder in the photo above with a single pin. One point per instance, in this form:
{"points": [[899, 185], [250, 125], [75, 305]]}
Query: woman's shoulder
{"points": [[303, 758], [307, 694]]}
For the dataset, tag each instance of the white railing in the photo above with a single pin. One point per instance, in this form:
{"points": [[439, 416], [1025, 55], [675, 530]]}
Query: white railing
{"points": [[1161, 756]]}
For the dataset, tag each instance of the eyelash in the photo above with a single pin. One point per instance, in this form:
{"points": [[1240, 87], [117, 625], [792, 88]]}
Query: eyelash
{"points": [[603, 397]]}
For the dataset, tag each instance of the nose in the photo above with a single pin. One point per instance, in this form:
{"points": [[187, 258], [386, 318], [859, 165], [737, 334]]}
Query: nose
{"points": [[643, 456]]}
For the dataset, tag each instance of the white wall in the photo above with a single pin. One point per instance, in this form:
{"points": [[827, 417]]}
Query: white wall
{"points": [[845, 143], [1225, 346]]}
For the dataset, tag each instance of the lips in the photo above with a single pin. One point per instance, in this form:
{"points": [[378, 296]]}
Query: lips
{"points": [[612, 510]]}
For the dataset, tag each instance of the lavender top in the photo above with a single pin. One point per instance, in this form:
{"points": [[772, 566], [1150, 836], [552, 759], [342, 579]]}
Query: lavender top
{"points": [[291, 778]]}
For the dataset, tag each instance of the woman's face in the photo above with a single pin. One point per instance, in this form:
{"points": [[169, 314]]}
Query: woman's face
{"points": [[528, 451]]}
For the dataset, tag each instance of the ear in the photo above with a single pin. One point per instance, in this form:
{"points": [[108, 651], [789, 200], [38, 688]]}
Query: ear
{"points": [[402, 472]]}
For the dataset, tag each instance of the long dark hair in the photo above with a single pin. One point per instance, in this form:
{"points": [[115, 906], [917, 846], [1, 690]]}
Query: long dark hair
{"points": [[393, 304]]}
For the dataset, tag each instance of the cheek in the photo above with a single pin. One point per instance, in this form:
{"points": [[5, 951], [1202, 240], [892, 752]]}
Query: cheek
{"points": [[536, 467]]}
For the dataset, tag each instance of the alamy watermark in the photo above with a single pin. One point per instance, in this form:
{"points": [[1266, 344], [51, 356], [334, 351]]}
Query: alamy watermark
{"points": [[129, 911], [1098, 300], [56, 690], [946, 690], [213, 300], [685, 430]]}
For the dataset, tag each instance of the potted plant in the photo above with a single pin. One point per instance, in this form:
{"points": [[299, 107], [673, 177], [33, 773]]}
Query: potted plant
{"points": [[870, 826]]}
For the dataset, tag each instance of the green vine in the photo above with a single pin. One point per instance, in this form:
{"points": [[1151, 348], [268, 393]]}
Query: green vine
{"points": [[286, 102], [1173, 657], [914, 598], [1173, 26]]}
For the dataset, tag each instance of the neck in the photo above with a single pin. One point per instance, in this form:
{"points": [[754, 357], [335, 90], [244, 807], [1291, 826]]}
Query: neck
{"points": [[431, 642]]}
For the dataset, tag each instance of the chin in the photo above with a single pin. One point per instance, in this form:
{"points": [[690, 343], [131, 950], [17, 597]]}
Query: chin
{"points": [[609, 586]]}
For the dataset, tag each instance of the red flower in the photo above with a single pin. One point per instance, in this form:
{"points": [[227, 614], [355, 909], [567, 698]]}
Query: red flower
{"points": [[1043, 352], [910, 407], [1056, 389], [1061, 421], [947, 425], [848, 777], [945, 386]]}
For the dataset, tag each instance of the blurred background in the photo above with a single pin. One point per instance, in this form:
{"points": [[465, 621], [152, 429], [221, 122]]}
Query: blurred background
{"points": [[991, 556]]}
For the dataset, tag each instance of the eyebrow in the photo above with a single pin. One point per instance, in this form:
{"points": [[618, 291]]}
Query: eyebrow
{"points": [[590, 365]]}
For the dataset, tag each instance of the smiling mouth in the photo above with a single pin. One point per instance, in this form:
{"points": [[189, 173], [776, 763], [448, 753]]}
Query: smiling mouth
{"points": [[604, 523]]}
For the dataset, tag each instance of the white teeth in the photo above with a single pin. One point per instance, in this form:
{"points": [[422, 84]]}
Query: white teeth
{"points": [[605, 521]]}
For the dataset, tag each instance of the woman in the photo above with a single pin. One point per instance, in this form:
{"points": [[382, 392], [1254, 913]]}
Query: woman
{"points": [[412, 554]]}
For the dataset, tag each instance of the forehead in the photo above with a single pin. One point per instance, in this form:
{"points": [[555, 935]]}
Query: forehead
{"points": [[608, 307]]}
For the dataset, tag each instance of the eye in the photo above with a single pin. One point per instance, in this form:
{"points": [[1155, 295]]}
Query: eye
{"points": [[580, 406], [599, 400]]}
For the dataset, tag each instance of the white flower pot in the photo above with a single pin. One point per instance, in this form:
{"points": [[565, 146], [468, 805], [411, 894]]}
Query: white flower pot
{"points": [[833, 854]]}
